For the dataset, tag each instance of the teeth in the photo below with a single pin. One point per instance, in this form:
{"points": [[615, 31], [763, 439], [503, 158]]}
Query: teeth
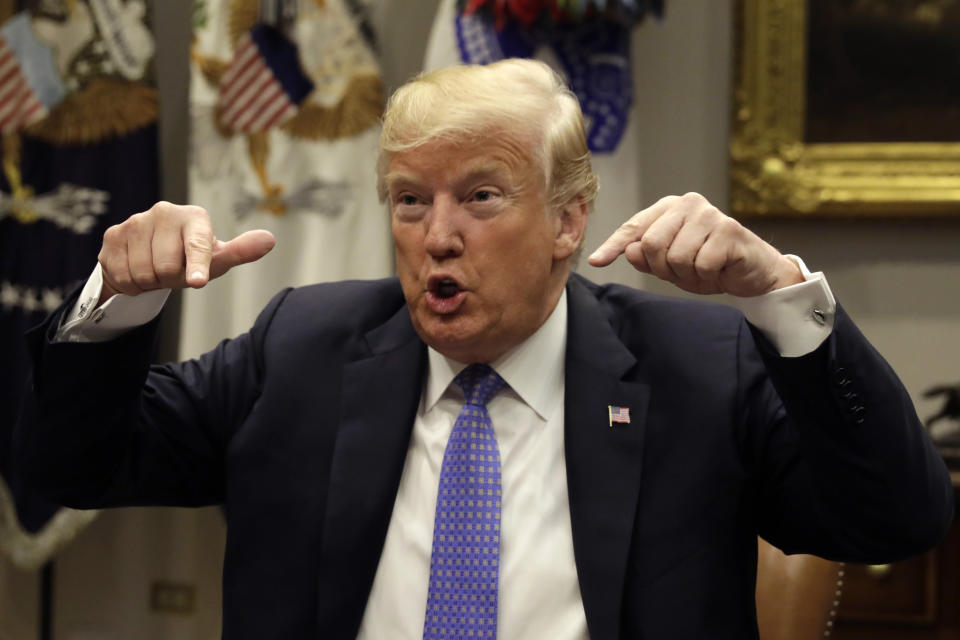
{"points": [[447, 289]]}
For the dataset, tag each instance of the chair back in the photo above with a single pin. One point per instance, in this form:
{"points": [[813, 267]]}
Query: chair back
{"points": [[797, 595]]}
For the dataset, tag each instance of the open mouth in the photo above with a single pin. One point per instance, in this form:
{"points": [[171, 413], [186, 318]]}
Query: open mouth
{"points": [[444, 288], [447, 288], [445, 295]]}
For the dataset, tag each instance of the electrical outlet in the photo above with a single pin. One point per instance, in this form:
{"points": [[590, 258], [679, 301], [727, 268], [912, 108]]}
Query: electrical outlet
{"points": [[172, 597]]}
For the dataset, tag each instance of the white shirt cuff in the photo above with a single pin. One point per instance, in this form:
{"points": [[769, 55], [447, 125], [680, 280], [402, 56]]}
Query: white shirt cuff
{"points": [[113, 318], [796, 319]]}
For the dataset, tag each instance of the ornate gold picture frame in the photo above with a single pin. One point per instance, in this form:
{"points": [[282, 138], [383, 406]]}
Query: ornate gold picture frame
{"points": [[775, 171]]}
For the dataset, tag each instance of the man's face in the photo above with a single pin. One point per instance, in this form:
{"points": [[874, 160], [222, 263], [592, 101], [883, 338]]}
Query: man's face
{"points": [[479, 257]]}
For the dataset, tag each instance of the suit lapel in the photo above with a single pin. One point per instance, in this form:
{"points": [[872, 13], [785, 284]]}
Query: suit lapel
{"points": [[603, 462], [379, 403]]}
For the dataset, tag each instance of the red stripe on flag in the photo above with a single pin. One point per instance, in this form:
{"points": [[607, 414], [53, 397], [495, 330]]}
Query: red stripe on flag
{"points": [[282, 115], [19, 105], [252, 116], [12, 102], [253, 77], [27, 110], [246, 70], [6, 56], [35, 111], [9, 76], [243, 52], [248, 98], [5, 51], [13, 93], [10, 94], [266, 101], [270, 114], [239, 67]]}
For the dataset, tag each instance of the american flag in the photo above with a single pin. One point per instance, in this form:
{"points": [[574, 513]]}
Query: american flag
{"points": [[19, 104], [264, 84], [619, 414]]}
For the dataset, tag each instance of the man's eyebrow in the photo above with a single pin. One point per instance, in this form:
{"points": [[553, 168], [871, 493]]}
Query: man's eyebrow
{"points": [[497, 172], [394, 179], [485, 169]]}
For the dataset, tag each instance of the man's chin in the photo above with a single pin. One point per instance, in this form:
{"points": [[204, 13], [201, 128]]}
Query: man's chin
{"points": [[455, 336]]}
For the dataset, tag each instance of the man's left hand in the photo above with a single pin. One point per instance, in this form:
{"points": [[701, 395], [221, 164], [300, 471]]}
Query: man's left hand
{"points": [[689, 242]]}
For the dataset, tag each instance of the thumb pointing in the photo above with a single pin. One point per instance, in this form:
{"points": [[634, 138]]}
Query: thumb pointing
{"points": [[247, 247]]}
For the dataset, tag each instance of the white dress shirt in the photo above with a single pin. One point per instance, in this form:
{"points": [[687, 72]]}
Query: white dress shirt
{"points": [[539, 594]]}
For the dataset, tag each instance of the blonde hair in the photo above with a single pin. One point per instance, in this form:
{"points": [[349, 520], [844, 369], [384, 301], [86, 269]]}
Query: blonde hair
{"points": [[465, 104]]}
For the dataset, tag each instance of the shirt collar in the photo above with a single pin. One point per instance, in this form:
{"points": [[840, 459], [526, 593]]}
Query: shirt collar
{"points": [[533, 369]]}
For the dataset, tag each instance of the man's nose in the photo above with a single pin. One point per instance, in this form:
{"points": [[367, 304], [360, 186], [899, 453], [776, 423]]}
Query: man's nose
{"points": [[444, 238]]}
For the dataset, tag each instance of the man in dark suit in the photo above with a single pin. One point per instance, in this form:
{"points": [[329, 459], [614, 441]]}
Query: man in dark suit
{"points": [[632, 452]]}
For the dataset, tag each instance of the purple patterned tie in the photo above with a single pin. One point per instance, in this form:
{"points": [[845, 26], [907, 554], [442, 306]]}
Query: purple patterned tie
{"points": [[464, 564]]}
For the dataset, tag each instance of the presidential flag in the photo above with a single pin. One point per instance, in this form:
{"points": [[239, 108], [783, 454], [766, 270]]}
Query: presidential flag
{"points": [[286, 99], [78, 118]]}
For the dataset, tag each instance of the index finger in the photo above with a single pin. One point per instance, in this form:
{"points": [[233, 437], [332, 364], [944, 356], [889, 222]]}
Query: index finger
{"points": [[198, 248], [629, 232]]}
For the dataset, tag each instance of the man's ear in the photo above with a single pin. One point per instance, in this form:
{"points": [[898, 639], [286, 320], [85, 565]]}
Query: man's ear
{"points": [[571, 225]]}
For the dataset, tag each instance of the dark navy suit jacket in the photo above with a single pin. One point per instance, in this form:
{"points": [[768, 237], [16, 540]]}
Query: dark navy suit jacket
{"points": [[301, 427]]}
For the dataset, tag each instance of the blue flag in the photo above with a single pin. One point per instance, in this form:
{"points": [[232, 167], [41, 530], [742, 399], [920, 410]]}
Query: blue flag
{"points": [[80, 155]]}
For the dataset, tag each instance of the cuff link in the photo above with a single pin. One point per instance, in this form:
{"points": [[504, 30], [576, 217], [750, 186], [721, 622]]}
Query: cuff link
{"points": [[819, 316], [85, 306], [98, 315]]}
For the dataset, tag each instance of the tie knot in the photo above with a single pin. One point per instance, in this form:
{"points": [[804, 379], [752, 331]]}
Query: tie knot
{"points": [[479, 383]]}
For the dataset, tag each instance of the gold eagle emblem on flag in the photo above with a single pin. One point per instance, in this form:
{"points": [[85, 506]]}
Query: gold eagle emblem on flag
{"points": [[72, 73], [313, 89]]}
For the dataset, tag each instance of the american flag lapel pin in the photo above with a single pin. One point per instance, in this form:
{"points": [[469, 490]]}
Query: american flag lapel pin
{"points": [[618, 414]]}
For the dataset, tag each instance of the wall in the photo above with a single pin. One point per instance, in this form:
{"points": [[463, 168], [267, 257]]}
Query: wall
{"points": [[898, 279]]}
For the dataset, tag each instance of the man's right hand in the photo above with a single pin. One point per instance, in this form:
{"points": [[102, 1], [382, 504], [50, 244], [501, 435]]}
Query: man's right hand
{"points": [[171, 247]]}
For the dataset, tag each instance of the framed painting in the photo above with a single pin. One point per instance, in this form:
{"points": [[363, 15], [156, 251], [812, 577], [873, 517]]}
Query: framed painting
{"points": [[846, 107]]}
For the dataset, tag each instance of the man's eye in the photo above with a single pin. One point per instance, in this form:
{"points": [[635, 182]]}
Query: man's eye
{"points": [[483, 195], [407, 199]]}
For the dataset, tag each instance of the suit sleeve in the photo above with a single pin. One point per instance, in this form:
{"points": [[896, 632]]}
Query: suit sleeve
{"points": [[101, 427], [844, 468]]}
